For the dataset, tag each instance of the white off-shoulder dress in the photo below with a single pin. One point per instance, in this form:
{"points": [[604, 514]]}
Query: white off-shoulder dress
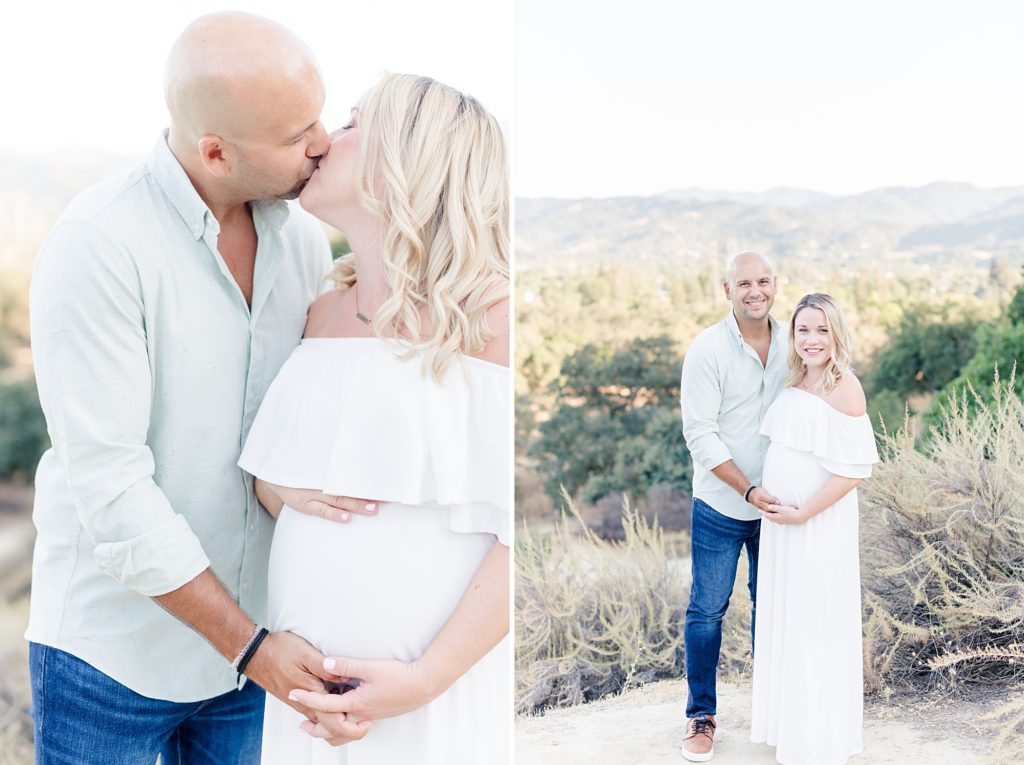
{"points": [[349, 417], [808, 684]]}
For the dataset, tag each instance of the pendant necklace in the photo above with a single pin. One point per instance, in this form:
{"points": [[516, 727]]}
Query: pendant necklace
{"points": [[359, 314]]}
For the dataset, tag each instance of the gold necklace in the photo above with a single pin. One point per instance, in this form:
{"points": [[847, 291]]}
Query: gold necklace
{"points": [[359, 314]]}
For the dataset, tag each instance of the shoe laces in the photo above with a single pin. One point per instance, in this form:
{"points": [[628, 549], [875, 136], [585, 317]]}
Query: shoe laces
{"points": [[703, 726]]}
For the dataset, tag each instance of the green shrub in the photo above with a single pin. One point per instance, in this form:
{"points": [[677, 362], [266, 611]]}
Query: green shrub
{"points": [[23, 437], [615, 426]]}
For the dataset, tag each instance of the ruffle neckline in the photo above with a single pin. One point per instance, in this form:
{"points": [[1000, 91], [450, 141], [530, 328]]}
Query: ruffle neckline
{"points": [[351, 417], [836, 439]]}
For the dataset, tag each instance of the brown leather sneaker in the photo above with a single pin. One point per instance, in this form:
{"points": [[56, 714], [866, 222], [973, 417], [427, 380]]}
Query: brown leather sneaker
{"points": [[699, 741]]}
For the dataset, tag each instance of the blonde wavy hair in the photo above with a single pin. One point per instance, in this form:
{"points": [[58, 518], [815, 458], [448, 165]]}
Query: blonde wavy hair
{"points": [[840, 359], [432, 169]]}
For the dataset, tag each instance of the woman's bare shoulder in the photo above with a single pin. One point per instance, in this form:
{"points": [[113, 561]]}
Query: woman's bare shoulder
{"points": [[848, 396], [326, 312]]}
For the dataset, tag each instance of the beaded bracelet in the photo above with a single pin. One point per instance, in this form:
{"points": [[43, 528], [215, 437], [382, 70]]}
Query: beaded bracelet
{"points": [[249, 650]]}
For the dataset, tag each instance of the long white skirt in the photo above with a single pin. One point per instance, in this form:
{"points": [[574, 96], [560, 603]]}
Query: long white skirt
{"points": [[808, 691]]}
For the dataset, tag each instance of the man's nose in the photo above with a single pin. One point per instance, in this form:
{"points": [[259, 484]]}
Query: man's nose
{"points": [[321, 142]]}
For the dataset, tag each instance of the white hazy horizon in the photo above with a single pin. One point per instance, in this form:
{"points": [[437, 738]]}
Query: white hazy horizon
{"points": [[636, 99], [722, 192]]}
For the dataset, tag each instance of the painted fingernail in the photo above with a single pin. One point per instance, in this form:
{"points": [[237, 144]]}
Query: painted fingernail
{"points": [[330, 663], [345, 516], [293, 696], [371, 507]]}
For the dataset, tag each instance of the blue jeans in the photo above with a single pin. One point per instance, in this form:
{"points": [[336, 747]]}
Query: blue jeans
{"points": [[83, 717], [716, 541]]}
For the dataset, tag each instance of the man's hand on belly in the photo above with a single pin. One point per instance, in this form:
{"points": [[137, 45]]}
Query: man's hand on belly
{"points": [[762, 499]]}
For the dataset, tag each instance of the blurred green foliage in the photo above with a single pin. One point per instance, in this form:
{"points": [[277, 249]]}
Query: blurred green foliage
{"points": [[339, 247], [23, 437], [615, 426], [1000, 350]]}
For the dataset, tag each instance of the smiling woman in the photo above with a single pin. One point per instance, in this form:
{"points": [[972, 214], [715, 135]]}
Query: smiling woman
{"points": [[808, 629]]}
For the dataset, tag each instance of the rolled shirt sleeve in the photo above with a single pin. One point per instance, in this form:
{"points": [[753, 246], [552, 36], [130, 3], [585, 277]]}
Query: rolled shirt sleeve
{"points": [[94, 374], [701, 399]]}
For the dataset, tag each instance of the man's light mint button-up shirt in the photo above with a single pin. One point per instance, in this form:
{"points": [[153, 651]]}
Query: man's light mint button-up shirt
{"points": [[151, 367], [725, 392]]}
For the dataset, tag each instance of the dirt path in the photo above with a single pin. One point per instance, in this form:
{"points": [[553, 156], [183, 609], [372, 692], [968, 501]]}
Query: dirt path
{"points": [[643, 727]]}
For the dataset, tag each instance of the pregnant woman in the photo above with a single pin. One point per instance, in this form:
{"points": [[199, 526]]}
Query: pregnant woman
{"points": [[808, 682], [399, 392]]}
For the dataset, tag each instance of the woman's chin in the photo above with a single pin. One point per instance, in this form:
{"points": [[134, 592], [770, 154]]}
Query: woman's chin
{"points": [[308, 202], [815, 362]]}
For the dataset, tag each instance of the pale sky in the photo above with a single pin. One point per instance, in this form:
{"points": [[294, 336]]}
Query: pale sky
{"points": [[639, 97], [87, 76]]}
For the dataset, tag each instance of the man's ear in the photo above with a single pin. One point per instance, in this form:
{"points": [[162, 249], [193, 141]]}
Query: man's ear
{"points": [[728, 292], [217, 156]]}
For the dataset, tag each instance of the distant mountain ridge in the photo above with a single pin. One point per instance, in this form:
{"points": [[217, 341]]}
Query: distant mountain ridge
{"points": [[928, 222]]}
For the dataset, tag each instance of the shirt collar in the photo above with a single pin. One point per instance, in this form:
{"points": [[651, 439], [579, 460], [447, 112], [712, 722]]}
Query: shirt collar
{"points": [[172, 179], [734, 328]]}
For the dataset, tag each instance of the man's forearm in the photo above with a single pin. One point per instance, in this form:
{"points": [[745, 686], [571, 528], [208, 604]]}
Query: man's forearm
{"points": [[206, 606], [731, 475]]}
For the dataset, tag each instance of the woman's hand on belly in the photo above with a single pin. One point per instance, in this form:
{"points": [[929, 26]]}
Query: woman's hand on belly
{"points": [[785, 515], [387, 688], [314, 502], [336, 728]]}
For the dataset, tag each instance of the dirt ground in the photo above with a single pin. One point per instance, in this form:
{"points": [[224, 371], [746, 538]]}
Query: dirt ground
{"points": [[644, 727]]}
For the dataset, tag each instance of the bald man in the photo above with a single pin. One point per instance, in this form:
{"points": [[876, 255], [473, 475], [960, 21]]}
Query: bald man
{"points": [[163, 303], [731, 374]]}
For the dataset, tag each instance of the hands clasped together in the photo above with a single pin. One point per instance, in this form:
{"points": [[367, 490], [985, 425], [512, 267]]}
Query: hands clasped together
{"points": [[340, 697], [370, 690], [774, 511]]}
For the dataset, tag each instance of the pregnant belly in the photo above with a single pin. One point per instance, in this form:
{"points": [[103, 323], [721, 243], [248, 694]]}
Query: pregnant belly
{"points": [[376, 587], [791, 475]]}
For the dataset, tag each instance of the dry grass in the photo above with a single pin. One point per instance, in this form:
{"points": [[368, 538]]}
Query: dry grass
{"points": [[943, 552], [15, 574], [15, 721], [597, 616]]}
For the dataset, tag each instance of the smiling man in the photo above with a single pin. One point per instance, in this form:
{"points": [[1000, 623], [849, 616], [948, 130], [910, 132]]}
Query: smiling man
{"points": [[731, 374], [163, 303]]}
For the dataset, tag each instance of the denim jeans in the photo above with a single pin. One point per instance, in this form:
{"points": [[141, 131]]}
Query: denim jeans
{"points": [[716, 541], [83, 717]]}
